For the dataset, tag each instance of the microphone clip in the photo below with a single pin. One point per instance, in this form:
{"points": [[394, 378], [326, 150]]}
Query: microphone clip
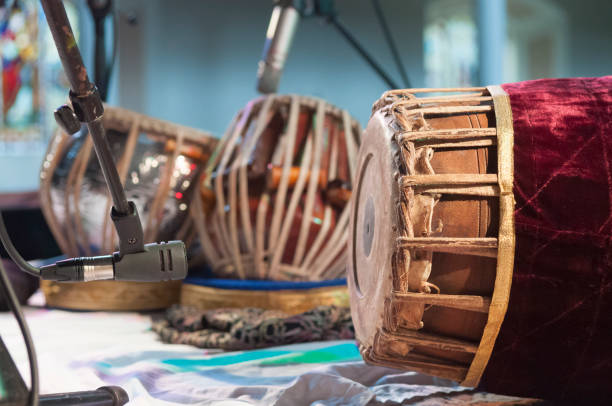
{"points": [[129, 230]]}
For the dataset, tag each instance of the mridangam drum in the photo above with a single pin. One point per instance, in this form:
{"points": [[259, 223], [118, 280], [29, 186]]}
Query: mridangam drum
{"points": [[275, 206], [160, 165], [481, 237]]}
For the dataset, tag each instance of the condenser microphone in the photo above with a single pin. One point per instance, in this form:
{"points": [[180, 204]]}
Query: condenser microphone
{"points": [[283, 23], [158, 262]]}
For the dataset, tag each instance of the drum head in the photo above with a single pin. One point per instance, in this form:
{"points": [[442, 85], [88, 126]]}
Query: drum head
{"points": [[372, 224]]}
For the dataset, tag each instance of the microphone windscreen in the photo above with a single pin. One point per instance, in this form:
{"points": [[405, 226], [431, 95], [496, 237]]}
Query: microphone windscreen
{"points": [[165, 261], [283, 23], [268, 78]]}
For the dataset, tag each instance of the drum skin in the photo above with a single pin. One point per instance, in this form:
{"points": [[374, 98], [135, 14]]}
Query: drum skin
{"points": [[553, 339]]}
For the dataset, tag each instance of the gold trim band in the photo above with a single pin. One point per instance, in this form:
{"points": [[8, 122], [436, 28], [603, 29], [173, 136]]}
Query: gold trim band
{"points": [[287, 301], [506, 239]]}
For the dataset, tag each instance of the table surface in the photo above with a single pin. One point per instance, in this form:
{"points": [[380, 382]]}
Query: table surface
{"points": [[86, 350]]}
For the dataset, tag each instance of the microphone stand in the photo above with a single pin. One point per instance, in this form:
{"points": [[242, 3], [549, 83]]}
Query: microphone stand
{"points": [[18, 393], [86, 108], [350, 38], [327, 10], [100, 9], [324, 9], [135, 261]]}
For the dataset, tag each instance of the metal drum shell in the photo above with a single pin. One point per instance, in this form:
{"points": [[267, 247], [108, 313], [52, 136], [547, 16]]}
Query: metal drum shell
{"points": [[160, 164]]}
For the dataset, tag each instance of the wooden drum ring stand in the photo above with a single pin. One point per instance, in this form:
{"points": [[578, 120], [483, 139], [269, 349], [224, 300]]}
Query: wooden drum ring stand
{"points": [[401, 318]]}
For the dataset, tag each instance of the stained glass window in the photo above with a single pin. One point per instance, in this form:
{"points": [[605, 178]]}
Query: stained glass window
{"points": [[33, 83]]}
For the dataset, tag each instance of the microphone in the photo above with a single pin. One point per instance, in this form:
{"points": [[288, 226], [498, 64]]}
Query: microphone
{"points": [[158, 262], [281, 30], [134, 261]]}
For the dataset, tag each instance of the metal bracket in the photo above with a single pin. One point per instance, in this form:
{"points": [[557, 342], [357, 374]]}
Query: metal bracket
{"points": [[88, 106], [66, 119], [129, 230]]}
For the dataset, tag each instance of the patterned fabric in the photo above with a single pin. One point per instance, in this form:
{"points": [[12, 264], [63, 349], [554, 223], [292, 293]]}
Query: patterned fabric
{"points": [[248, 328], [555, 342]]}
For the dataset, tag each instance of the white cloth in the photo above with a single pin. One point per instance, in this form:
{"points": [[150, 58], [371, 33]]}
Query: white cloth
{"points": [[83, 351]]}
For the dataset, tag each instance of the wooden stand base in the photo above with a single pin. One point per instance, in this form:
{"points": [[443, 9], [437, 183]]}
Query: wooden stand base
{"points": [[111, 295], [287, 301]]}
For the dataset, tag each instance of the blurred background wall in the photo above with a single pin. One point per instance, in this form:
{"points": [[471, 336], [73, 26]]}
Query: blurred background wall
{"points": [[194, 61]]}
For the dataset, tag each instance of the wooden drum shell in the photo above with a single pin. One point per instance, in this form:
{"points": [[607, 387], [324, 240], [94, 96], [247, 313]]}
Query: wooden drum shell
{"points": [[274, 204]]}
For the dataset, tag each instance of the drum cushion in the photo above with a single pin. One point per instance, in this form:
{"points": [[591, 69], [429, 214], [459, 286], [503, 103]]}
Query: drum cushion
{"points": [[251, 284], [556, 340], [248, 328]]}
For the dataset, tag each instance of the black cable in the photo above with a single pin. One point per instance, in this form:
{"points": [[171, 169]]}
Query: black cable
{"points": [[391, 42], [13, 253], [100, 11], [361, 50], [13, 302]]}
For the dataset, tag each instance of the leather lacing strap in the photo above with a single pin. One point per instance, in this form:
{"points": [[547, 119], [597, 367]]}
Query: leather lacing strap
{"points": [[416, 161], [426, 287]]}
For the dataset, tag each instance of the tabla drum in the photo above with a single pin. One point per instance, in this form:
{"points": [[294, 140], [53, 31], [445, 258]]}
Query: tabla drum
{"points": [[275, 198], [481, 237], [160, 165]]}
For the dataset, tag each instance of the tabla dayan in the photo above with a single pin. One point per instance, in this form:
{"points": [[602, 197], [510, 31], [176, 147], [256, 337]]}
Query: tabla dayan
{"points": [[481, 237], [160, 165], [274, 204]]}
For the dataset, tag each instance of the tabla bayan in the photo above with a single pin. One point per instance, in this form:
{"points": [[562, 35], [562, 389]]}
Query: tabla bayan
{"points": [[159, 164]]}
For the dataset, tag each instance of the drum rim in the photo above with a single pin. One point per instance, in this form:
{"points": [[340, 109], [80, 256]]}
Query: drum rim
{"points": [[378, 152]]}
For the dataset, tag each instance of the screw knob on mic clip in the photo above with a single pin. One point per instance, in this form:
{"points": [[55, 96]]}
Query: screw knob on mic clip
{"points": [[66, 119]]}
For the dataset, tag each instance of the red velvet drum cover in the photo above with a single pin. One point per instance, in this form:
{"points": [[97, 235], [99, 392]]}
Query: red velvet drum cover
{"points": [[481, 237], [556, 338]]}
